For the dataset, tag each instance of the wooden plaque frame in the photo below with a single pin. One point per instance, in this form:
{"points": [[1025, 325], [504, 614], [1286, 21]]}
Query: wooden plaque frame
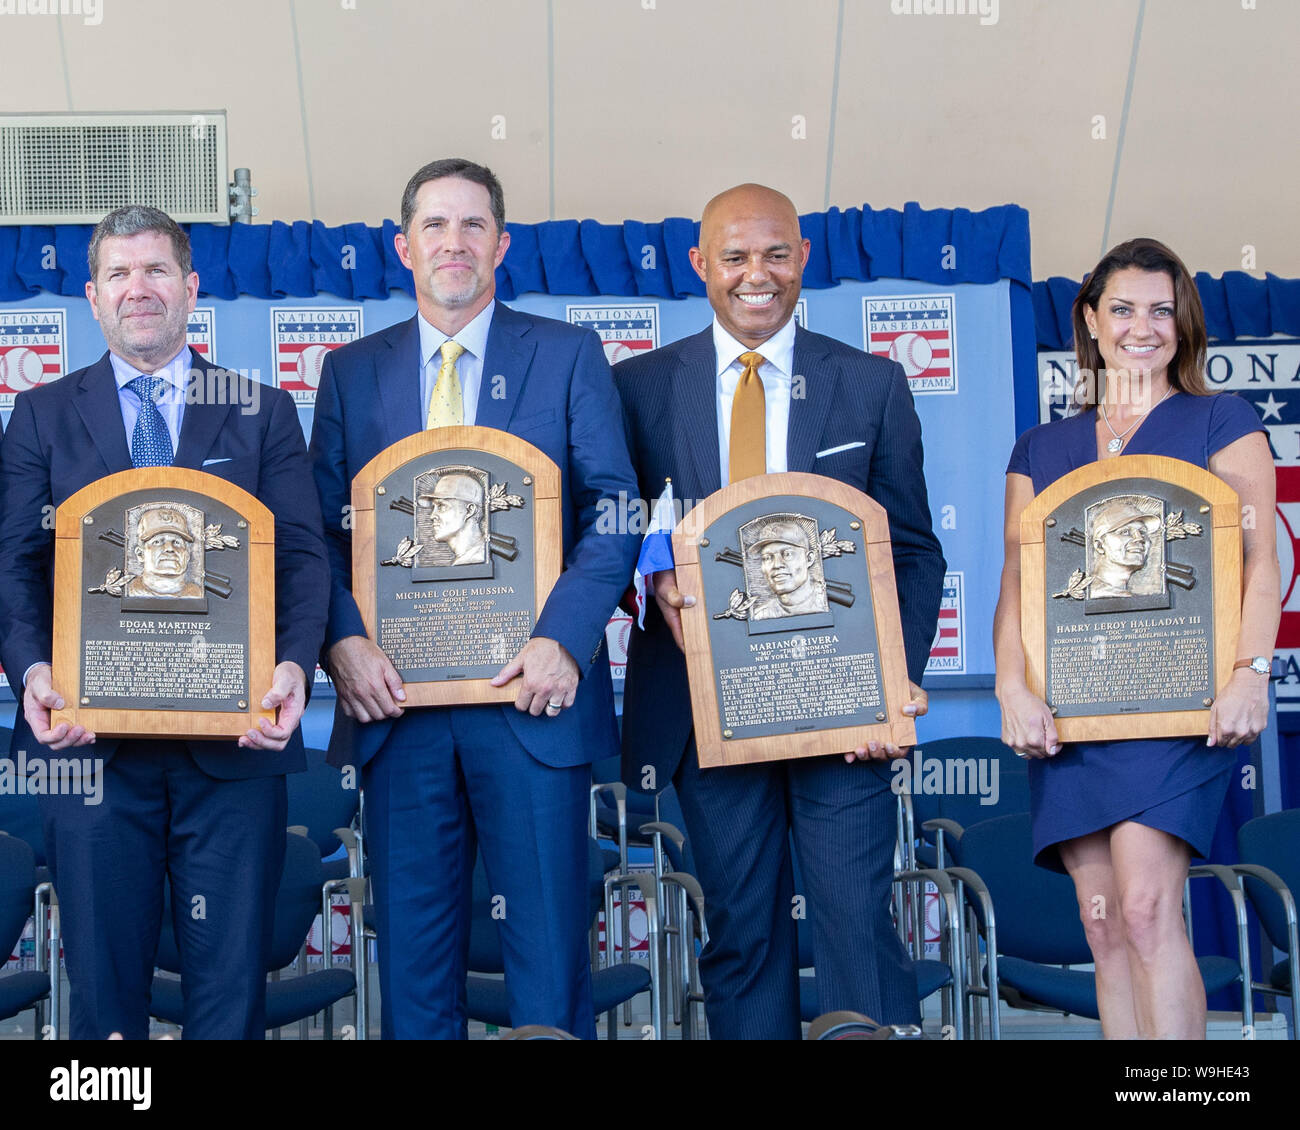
{"points": [[714, 749], [548, 538], [1224, 526], [69, 588]]}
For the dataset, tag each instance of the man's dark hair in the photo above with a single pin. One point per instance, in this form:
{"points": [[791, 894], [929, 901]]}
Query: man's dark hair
{"points": [[132, 220], [454, 167]]}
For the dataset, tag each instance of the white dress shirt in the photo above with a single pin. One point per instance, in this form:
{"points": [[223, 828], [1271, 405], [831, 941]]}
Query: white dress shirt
{"points": [[469, 365], [777, 376]]}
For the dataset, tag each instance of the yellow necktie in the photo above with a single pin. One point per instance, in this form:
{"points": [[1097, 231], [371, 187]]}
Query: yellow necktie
{"points": [[446, 408], [748, 448]]}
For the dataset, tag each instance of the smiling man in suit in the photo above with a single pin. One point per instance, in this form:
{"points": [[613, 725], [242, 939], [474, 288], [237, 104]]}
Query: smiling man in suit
{"points": [[756, 393], [513, 777], [208, 814]]}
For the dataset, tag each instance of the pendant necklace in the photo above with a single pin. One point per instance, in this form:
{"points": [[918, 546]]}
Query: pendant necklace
{"points": [[1117, 443]]}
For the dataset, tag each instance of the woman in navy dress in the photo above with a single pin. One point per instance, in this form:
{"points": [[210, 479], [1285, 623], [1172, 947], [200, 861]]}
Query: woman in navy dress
{"points": [[1124, 818]]}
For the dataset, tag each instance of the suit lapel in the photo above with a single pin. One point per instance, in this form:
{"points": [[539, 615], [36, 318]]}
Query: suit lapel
{"points": [[397, 383], [98, 406], [508, 355], [695, 416], [808, 412], [201, 422]]}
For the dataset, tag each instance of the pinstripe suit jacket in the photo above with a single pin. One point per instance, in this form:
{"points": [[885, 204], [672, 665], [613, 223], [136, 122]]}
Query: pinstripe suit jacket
{"points": [[854, 402]]}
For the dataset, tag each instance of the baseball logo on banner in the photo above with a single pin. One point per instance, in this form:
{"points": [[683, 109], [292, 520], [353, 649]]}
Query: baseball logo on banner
{"points": [[302, 338], [33, 351], [948, 651], [624, 330], [199, 334], [917, 331]]}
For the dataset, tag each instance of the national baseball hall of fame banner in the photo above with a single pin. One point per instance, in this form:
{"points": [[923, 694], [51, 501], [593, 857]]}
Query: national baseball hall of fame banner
{"points": [[1265, 372], [954, 343]]}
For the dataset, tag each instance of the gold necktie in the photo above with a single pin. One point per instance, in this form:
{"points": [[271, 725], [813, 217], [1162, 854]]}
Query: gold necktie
{"points": [[748, 448], [446, 408]]}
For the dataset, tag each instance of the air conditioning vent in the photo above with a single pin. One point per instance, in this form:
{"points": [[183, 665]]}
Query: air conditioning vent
{"points": [[76, 168]]}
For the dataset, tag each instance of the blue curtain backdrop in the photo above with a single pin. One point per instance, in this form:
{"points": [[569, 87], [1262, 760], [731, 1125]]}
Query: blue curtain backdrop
{"points": [[575, 257], [1237, 305]]}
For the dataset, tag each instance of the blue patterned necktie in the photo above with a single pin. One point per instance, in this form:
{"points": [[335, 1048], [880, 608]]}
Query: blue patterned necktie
{"points": [[151, 443]]}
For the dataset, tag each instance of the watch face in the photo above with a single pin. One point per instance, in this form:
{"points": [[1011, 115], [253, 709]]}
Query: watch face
{"points": [[1260, 665]]}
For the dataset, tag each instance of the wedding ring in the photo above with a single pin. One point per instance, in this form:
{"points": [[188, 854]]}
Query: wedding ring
{"points": [[554, 707], [1019, 754]]}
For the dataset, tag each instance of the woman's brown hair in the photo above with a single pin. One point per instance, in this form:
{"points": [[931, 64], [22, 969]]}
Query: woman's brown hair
{"points": [[1187, 370]]}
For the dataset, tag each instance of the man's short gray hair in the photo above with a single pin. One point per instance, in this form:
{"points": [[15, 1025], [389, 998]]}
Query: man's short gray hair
{"points": [[132, 220]]}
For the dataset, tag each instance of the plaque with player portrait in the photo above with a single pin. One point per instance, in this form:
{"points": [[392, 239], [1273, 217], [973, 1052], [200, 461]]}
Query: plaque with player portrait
{"points": [[456, 544], [794, 647], [1131, 597], [164, 605]]}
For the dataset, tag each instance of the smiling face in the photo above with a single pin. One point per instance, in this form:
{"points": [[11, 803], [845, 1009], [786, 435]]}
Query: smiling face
{"points": [[141, 299], [1127, 545], [751, 258], [453, 248], [785, 566], [1134, 322]]}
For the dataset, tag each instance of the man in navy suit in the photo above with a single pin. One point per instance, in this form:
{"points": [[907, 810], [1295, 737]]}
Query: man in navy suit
{"points": [[515, 777], [208, 814], [828, 409]]}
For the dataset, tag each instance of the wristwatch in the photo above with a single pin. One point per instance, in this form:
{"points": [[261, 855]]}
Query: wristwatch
{"points": [[1261, 665]]}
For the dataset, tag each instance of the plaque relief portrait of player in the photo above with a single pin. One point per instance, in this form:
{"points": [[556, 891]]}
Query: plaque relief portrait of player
{"points": [[451, 516], [1125, 549], [783, 566], [163, 553]]}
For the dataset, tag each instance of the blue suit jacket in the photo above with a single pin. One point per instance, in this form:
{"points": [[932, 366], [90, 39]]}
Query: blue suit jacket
{"points": [[66, 435], [669, 400], [558, 396]]}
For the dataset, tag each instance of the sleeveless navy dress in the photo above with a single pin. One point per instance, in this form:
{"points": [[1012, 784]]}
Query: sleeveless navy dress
{"points": [[1174, 784]]}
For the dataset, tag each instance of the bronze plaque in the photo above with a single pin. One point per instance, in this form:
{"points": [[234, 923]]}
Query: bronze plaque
{"points": [[164, 605], [794, 648], [456, 545], [1131, 575]]}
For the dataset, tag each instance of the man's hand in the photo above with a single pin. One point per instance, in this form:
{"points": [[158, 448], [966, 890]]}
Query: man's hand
{"points": [[365, 680], [671, 602], [917, 704], [39, 699], [550, 677], [289, 693]]}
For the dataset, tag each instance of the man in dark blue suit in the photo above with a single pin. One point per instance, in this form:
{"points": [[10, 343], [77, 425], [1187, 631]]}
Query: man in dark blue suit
{"points": [[513, 777], [209, 814], [755, 393]]}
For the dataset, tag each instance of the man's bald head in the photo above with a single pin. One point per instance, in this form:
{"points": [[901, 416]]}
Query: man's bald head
{"points": [[746, 200], [751, 258]]}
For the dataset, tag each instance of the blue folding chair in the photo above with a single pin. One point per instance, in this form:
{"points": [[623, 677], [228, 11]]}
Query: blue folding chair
{"points": [[1269, 847], [1038, 928], [19, 900]]}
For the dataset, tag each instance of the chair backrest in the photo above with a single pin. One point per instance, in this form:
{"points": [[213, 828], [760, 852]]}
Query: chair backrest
{"points": [[297, 903], [1036, 910], [1272, 841], [17, 883], [319, 802], [978, 778]]}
